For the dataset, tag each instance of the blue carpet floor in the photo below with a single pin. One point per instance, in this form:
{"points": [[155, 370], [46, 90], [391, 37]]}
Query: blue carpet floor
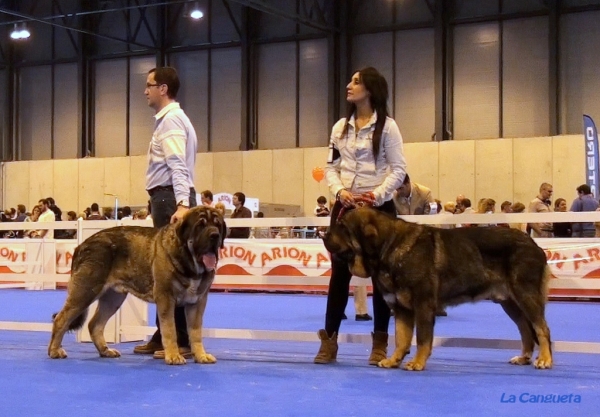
{"points": [[278, 378]]}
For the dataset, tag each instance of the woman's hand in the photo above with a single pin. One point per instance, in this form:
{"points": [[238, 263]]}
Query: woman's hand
{"points": [[346, 198]]}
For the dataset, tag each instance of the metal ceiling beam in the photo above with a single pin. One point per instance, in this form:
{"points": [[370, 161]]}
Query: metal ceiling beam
{"points": [[267, 8], [87, 32]]}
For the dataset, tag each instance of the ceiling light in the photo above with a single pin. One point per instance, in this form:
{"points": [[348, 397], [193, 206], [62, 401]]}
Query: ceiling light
{"points": [[196, 13], [20, 32]]}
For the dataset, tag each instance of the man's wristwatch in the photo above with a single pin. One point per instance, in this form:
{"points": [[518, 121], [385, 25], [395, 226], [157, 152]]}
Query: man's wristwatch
{"points": [[183, 204]]}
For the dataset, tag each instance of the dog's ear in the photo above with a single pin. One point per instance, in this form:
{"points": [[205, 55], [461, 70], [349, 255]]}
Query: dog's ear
{"points": [[185, 227]]}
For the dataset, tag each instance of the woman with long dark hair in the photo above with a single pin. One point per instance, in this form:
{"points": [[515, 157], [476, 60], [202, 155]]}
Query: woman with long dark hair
{"points": [[365, 158]]}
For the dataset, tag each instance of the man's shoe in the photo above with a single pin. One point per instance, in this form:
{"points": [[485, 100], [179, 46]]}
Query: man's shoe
{"points": [[441, 313], [186, 352], [147, 348], [363, 317], [344, 316]]}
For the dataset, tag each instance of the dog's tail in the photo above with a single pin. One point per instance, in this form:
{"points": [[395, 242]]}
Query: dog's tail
{"points": [[78, 322]]}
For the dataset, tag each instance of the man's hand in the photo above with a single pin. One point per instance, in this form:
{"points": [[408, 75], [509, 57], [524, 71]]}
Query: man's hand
{"points": [[178, 215]]}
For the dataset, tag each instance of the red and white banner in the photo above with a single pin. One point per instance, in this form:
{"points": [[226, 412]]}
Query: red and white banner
{"points": [[304, 264]]}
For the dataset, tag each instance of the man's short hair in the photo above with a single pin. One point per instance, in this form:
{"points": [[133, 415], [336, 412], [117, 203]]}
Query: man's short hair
{"points": [[94, 207], [545, 186], [241, 197], [505, 204], [169, 77], [126, 211], [322, 200], [45, 201], [584, 189], [465, 202], [22, 208], [207, 194]]}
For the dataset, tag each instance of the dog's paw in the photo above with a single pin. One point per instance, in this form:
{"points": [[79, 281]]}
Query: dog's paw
{"points": [[205, 358], [388, 363], [520, 360], [413, 366], [543, 363], [59, 353], [110, 353], [176, 359]]}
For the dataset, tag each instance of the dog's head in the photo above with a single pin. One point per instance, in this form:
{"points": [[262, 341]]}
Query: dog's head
{"points": [[357, 239], [203, 232]]}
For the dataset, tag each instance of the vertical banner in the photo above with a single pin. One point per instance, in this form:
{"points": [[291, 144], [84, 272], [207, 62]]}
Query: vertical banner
{"points": [[591, 154]]}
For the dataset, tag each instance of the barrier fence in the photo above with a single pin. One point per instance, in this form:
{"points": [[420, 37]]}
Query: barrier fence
{"points": [[283, 265]]}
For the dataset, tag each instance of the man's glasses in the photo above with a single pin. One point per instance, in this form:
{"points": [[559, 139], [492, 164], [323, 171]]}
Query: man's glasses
{"points": [[148, 85]]}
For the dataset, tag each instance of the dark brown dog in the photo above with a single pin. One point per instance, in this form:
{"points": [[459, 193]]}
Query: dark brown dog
{"points": [[420, 268], [171, 266]]}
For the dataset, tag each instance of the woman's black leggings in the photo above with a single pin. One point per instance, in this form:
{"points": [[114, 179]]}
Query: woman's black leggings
{"points": [[339, 287]]}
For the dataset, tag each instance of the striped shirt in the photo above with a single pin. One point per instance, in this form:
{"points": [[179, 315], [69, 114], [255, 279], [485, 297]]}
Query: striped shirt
{"points": [[172, 152]]}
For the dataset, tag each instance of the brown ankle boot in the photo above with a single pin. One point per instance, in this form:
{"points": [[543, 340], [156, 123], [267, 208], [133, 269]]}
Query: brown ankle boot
{"points": [[379, 350], [329, 347]]}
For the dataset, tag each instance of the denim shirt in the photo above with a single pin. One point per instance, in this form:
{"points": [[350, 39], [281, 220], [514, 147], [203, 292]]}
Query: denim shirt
{"points": [[351, 164]]}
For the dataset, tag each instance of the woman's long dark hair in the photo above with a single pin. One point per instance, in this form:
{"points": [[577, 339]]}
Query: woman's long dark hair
{"points": [[377, 86]]}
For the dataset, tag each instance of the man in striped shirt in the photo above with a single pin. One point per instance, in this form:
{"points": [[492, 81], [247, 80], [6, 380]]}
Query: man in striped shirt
{"points": [[170, 176]]}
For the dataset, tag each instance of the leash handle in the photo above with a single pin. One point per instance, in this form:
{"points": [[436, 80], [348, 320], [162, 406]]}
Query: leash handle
{"points": [[360, 200]]}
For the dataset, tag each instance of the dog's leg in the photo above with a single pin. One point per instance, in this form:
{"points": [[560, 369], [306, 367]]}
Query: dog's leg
{"points": [[72, 315], [404, 325], [108, 305], [60, 326], [194, 314], [533, 309], [425, 320], [165, 307], [527, 340]]}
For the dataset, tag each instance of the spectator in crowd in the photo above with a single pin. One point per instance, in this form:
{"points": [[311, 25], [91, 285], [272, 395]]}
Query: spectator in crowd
{"points": [[126, 210], [240, 212], [450, 207], [562, 229], [541, 204], [46, 216], [95, 213], [412, 198], [585, 201], [71, 233], [206, 197], [518, 207], [221, 207], [260, 232], [506, 207], [321, 210]]}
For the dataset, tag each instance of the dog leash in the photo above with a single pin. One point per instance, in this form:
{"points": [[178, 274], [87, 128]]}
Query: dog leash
{"points": [[360, 200]]}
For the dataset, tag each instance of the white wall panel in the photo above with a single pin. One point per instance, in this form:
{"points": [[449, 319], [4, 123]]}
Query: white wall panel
{"points": [[257, 174], [66, 186], [91, 181], [493, 170], [476, 82], [568, 166], [204, 172], [422, 164], [15, 184], [138, 196], [117, 180], [111, 108], [228, 172], [35, 112], [532, 162], [525, 78], [66, 112], [415, 85], [313, 94], [226, 122], [276, 96], [288, 182], [457, 170], [193, 93], [41, 180], [141, 122]]}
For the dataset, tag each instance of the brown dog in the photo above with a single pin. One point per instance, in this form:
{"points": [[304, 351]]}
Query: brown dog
{"points": [[171, 266], [420, 268]]}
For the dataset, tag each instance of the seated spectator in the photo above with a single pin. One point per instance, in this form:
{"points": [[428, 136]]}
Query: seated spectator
{"points": [[260, 232], [95, 213], [221, 207], [321, 210]]}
